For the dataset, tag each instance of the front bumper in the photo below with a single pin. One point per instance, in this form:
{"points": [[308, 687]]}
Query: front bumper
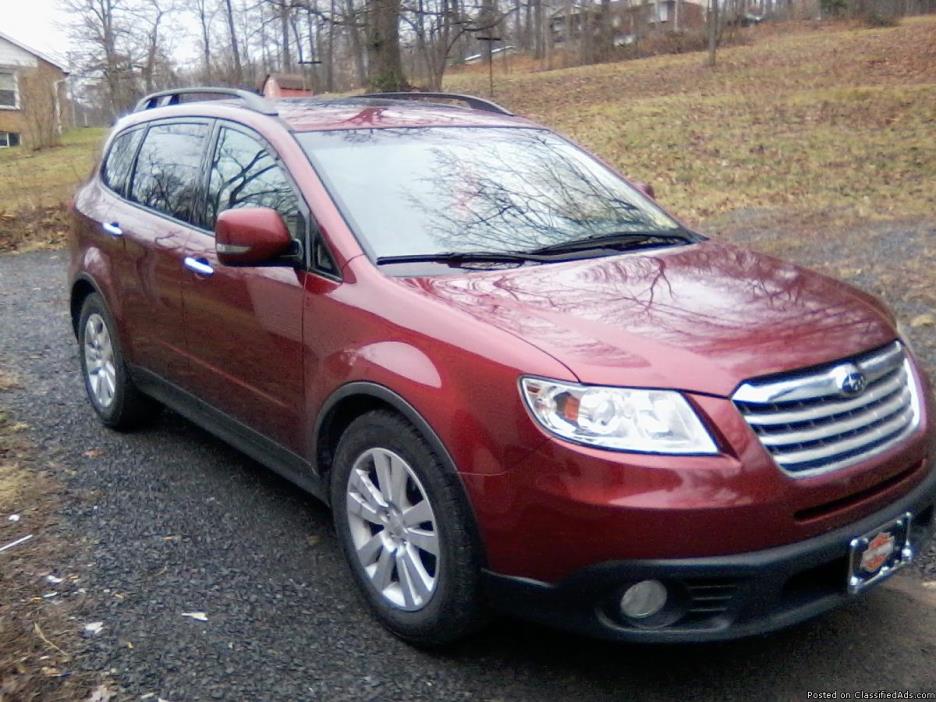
{"points": [[714, 598]]}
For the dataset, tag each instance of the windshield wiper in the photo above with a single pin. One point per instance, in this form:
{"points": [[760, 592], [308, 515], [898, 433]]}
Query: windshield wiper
{"points": [[456, 258], [621, 241]]}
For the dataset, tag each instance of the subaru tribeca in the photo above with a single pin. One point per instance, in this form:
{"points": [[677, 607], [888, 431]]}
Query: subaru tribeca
{"points": [[519, 383]]}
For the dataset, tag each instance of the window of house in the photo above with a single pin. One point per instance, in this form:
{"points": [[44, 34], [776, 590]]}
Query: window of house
{"points": [[8, 93], [9, 139], [168, 168], [120, 160], [244, 174]]}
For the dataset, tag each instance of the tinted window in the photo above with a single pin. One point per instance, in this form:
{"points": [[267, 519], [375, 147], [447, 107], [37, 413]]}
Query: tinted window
{"points": [[120, 160], [244, 174], [427, 191], [168, 168]]}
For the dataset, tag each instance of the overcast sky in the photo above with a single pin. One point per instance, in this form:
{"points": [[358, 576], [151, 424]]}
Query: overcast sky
{"points": [[37, 23], [43, 25]]}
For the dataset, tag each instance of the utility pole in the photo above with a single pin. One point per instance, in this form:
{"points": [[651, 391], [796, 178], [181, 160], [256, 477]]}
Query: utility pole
{"points": [[304, 63], [490, 39]]}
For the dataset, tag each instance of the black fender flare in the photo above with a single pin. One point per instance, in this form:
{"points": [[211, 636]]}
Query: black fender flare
{"points": [[87, 278]]}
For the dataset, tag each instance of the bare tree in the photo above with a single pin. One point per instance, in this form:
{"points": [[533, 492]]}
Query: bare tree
{"points": [[98, 27], [149, 17], [205, 11]]}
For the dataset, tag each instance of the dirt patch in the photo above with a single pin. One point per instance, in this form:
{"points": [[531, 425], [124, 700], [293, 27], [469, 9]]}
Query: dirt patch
{"points": [[33, 228], [40, 604]]}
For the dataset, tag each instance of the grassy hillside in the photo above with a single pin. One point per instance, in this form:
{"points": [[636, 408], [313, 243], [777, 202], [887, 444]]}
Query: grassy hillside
{"points": [[820, 120]]}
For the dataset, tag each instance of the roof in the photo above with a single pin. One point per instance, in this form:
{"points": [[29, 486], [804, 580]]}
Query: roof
{"points": [[321, 114], [58, 63], [304, 114]]}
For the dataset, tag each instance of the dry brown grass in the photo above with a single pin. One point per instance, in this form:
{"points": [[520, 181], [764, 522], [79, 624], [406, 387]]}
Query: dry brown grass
{"points": [[36, 634]]}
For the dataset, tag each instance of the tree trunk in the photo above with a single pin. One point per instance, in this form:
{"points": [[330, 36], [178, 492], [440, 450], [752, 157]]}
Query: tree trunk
{"points": [[384, 64], [284, 30], [605, 31], [357, 48], [539, 31], [712, 31], [330, 65], [204, 20], [235, 49]]}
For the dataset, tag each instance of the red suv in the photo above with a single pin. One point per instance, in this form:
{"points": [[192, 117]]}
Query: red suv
{"points": [[519, 383]]}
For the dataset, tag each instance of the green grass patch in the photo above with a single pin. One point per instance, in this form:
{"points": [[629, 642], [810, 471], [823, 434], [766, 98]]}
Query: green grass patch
{"points": [[46, 178]]}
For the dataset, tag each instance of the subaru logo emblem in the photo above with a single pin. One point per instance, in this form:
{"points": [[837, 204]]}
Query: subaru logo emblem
{"points": [[850, 380]]}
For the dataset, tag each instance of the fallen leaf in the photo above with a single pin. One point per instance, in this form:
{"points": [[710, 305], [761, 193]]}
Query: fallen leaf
{"points": [[92, 453], [100, 694], [94, 627], [923, 320]]}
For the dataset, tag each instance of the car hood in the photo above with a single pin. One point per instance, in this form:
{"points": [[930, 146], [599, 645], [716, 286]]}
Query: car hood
{"points": [[701, 318]]}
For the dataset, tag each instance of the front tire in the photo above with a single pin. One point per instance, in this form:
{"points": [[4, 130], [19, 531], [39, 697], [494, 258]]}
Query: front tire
{"points": [[405, 529], [116, 400]]}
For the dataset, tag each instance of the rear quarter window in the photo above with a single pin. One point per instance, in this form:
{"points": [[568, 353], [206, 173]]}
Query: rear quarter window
{"points": [[119, 160], [169, 168]]}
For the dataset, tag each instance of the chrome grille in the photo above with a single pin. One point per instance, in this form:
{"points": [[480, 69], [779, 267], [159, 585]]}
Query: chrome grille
{"points": [[810, 425]]}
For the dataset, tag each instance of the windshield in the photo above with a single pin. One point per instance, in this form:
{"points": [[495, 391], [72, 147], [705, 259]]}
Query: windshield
{"points": [[417, 191]]}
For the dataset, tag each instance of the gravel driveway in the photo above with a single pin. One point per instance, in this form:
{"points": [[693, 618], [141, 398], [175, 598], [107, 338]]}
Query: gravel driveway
{"points": [[171, 520]]}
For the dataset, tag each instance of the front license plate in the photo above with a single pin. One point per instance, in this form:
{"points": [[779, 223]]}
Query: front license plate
{"points": [[879, 553]]}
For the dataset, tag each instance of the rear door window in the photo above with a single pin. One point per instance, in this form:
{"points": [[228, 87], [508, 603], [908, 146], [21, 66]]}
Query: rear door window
{"points": [[119, 160], [168, 168], [243, 173]]}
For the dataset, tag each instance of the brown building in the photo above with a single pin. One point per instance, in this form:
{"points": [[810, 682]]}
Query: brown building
{"points": [[277, 85], [32, 94]]}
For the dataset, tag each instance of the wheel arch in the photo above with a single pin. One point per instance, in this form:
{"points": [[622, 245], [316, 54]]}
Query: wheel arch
{"points": [[354, 399], [80, 290]]}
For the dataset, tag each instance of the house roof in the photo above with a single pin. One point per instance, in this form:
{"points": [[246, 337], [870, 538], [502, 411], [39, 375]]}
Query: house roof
{"points": [[58, 63]]}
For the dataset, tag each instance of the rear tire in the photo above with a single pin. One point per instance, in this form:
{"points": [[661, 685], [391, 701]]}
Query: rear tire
{"points": [[406, 531], [117, 401]]}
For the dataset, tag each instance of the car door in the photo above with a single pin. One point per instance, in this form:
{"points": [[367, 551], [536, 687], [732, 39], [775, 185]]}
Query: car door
{"points": [[98, 205], [243, 326], [155, 222]]}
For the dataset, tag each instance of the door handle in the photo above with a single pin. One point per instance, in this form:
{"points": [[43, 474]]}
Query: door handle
{"points": [[198, 265], [112, 228]]}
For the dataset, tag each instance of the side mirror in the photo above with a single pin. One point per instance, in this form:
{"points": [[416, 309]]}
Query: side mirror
{"points": [[645, 188], [251, 236]]}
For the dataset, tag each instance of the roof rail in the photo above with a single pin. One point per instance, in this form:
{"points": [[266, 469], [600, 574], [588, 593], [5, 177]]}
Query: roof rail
{"points": [[470, 100], [252, 101]]}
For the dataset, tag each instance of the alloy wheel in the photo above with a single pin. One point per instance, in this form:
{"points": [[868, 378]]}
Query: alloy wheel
{"points": [[100, 370], [393, 529]]}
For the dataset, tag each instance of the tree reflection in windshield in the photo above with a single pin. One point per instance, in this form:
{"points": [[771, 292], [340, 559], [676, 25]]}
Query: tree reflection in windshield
{"points": [[458, 189]]}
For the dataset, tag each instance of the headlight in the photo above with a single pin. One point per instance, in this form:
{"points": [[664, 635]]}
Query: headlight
{"points": [[628, 419]]}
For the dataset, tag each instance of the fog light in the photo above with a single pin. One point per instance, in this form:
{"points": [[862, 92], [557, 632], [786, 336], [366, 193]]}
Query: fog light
{"points": [[644, 599]]}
